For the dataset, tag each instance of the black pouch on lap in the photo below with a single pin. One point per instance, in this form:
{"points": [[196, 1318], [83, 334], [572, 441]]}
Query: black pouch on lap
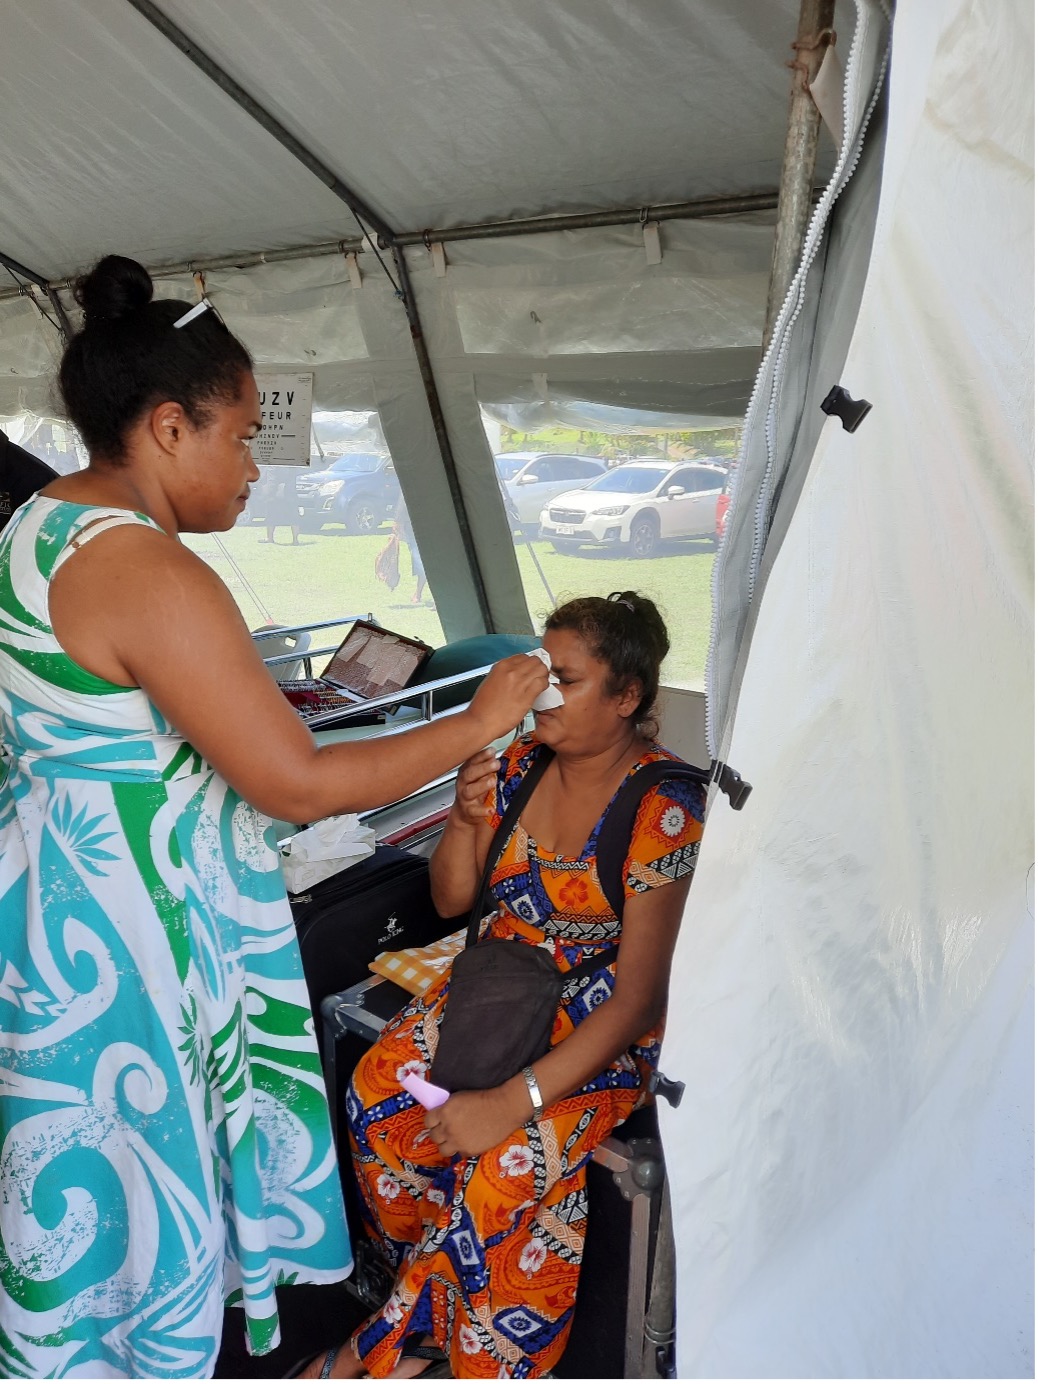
{"points": [[499, 1014]]}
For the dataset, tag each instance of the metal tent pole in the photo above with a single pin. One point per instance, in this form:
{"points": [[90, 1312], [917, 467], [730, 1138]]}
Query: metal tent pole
{"points": [[697, 210], [583, 220], [660, 1316], [64, 326], [252, 107], [362, 212], [814, 35], [540, 570], [432, 395]]}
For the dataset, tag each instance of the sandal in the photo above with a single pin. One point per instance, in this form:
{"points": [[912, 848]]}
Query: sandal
{"points": [[327, 1365]]}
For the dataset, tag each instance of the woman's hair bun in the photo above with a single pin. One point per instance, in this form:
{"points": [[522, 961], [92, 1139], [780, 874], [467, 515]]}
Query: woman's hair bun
{"points": [[648, 614], [115, 287]]}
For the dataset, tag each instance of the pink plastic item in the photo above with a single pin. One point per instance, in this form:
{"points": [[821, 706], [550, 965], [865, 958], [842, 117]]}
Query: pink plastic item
{"points": [[424, 1092]]}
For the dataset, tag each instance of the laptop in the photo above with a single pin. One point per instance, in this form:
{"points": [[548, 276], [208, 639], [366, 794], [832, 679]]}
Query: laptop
{"points": [[370, 662]]}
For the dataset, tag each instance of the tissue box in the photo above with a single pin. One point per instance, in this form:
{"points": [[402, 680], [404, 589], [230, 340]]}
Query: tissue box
{"points": [[322, 850]]}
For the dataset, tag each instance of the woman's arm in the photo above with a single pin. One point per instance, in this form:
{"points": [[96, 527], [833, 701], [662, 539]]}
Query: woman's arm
{"points": [[139, 609], [456, 865], [473, 1121]]}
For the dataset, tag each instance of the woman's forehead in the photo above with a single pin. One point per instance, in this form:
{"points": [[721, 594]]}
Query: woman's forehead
{"points": [[242, 411], [568, 648], [248, 395]]}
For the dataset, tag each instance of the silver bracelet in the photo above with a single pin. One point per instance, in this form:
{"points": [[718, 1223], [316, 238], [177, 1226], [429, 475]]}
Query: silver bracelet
{"points": [[535, 1093]]}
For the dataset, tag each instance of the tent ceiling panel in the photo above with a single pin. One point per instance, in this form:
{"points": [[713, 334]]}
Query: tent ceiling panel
{"points": [[484, 109], [119, 142], [434, 114]]}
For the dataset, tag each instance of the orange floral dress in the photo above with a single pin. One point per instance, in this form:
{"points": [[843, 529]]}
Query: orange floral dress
{"points": [[487, 1250]]}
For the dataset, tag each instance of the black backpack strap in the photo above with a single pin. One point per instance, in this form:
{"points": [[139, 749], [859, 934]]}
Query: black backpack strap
{"points": [[520, 797], [614, 842], [590, 964], [614, 838]]}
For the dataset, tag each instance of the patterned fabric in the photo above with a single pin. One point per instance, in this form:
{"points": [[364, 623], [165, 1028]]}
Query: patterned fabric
{"points": [[487, 1250], [416, 968], [165, 1133]]}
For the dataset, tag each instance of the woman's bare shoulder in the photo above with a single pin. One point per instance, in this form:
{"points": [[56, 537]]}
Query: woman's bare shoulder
{"points": [[132, 587]]}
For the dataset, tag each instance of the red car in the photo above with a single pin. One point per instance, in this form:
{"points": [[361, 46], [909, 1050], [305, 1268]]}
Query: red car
{"points": [[721, 512]]}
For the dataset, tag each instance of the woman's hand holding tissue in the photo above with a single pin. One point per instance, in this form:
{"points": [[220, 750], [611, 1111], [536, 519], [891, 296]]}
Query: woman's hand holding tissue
{"points": [[507, 693], [515, 683], [551, 696], [476, 778]]}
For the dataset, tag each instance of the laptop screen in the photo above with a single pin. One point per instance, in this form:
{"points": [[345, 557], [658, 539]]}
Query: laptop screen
{"points": [[373, 662]]}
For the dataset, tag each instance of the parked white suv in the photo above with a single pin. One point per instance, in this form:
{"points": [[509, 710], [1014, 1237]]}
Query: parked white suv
{"points": [[542, 476], [637, 506]]}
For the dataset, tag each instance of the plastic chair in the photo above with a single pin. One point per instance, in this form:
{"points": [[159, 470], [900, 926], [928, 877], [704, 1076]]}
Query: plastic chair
{"points": [[280, 645]]}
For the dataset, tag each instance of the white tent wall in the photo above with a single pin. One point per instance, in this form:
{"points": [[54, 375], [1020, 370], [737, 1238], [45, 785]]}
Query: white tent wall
{"points": [[852, 1009], [581, 315], [786, 418], [534, 310], [30, 350]]}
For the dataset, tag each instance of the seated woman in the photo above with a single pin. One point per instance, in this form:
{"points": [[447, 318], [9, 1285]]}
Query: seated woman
{"points": [[480, 1205]]}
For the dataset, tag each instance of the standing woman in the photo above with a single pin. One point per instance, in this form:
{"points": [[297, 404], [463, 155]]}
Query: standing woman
{"points": [[164, 1134], [282, 504]]}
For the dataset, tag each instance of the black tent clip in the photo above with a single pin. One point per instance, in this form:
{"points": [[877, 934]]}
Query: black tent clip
{"points": [[849, 411], [731, 784], [671, 1091]]}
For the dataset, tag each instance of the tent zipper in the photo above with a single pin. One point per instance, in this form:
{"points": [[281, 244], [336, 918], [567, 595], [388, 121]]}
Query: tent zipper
{"points": [[773, 365], [844, 171]]}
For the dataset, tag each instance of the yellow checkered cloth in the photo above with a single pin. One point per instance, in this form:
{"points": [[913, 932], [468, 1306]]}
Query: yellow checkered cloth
{"points": [[416, 968]]}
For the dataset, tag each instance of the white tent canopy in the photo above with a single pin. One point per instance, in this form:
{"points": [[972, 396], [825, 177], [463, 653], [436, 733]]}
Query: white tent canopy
{"points": [[433, 116], [852, 1000]]}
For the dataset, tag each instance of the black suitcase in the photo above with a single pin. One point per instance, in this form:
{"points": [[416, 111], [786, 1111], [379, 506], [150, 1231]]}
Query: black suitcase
{"points": [[351, 1021], [380, 904]]}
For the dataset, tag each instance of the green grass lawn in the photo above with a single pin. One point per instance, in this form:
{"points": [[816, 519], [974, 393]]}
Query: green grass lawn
{"points": [[332, 574], [678, 581]]}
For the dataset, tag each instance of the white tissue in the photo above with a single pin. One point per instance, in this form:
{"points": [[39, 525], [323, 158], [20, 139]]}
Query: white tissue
{"points": [[323, 850], [551, 696]]}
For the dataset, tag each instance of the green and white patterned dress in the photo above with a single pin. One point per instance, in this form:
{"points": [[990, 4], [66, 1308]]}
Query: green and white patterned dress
{"points": [[164, 1132]]}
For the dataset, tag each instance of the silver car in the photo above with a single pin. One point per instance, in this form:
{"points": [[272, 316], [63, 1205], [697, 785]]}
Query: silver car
{"points": [[540, 477]]}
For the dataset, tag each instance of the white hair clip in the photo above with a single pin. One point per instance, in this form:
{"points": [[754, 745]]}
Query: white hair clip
{"points": [[192, 313]]}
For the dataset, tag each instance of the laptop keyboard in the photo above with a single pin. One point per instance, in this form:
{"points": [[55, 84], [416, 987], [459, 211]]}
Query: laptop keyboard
{"points": [[311, 698], [328, 703]]}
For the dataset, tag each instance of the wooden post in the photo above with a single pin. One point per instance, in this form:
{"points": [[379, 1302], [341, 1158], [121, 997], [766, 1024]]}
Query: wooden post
{"points": [[814, 35]]}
